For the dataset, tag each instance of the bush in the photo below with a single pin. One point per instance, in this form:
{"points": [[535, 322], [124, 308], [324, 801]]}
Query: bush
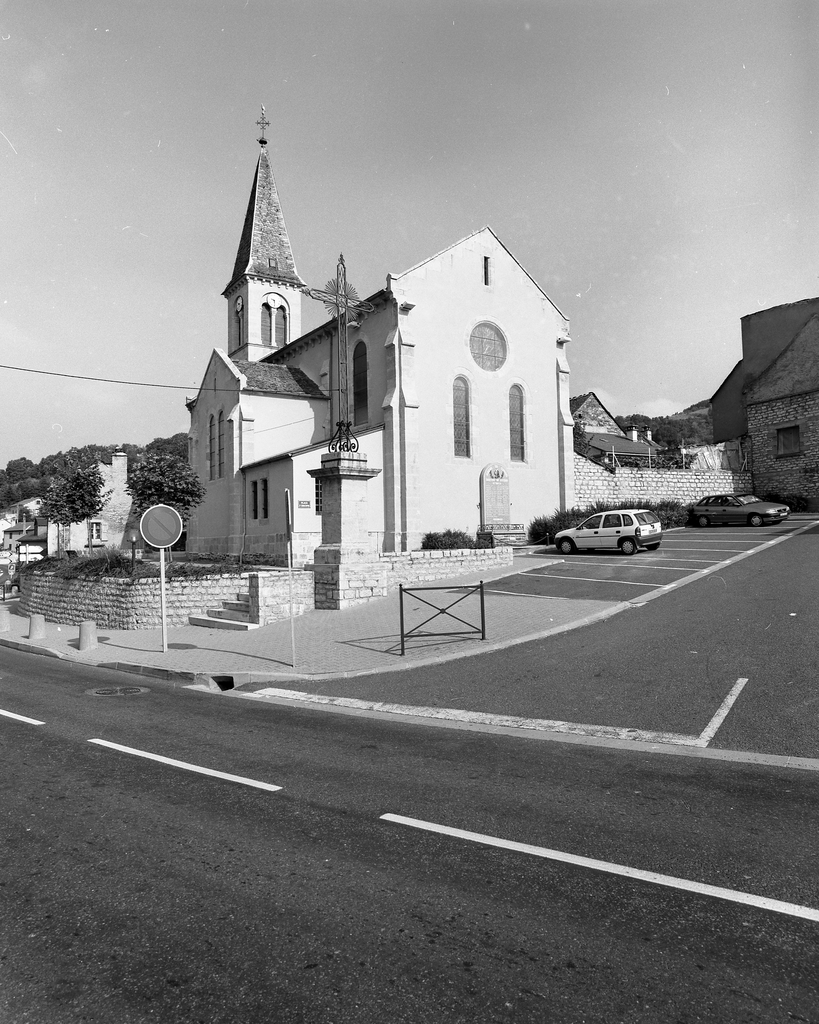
{"points": [[448, 540], [670, 513], [117, 565], [795, 502]]}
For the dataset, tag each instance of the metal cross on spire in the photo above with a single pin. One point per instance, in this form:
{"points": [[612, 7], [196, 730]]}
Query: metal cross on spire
{"points": [[341, 300], [263, 123]]}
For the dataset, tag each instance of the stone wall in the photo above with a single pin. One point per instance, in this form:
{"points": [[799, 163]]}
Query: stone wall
{"points": [[270, 594], [355, 582], [124, 603], [593, 483], [793, 473]]}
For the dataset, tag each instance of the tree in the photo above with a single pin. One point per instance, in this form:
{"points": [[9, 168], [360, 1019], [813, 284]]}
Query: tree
{"points": [[75, 497], [176, 445], [20, 469], [165, 480]]}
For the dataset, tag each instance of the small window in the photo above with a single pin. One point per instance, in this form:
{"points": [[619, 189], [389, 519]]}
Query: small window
{"points": [[254, 500], [264, 499], [487, 271], [240, 324], [221, 447], [318, 498], [281, 327], [267, 325], [517, 442], [96, 531], [612, 520], [488, 346], [787, 441], [360, 398], [460, 410]]}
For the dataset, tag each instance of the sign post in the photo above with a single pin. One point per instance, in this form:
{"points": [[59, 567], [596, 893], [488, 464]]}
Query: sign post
{"points": [[288, 515], [161, 527]]}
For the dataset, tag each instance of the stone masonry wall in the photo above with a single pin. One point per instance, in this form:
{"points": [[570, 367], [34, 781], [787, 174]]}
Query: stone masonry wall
{"points": [[787, 474], [593, 483], [353, 583], [124, 603], [270, 594]]}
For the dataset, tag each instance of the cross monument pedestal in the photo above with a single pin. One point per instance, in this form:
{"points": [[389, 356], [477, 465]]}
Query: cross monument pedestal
{"points": [[345, 567]]}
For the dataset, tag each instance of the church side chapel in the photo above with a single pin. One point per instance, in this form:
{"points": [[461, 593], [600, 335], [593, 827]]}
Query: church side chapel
{"points": [[453, 379]]}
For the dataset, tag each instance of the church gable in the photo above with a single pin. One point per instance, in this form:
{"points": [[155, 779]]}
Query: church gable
{"points": [[794, 371]]}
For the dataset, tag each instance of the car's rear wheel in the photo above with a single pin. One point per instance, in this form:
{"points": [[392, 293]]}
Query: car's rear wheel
{"points": [[628, 546], [703, 521], [566, 546], [755, 519]]}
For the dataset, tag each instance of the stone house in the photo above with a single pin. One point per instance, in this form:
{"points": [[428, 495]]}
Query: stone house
{"points": [[772, 396], [605, 437], [108, 528]]}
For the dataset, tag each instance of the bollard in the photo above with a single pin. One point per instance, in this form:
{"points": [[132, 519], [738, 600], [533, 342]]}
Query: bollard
{"points": [[36, 627], [88, 635], [5, 621]]}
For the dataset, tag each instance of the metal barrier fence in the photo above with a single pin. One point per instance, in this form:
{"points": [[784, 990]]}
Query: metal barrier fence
{"points": [[472, 630]]}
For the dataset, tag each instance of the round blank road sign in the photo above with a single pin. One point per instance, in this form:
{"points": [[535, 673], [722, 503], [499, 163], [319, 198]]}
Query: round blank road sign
{"points": [[161, 526]]}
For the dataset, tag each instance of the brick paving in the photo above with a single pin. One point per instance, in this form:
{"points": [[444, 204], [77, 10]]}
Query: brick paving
{"points": [[328, 644]]}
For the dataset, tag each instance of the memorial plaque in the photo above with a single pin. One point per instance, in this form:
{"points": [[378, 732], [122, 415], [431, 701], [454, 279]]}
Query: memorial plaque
{"points": [[495, 506]]}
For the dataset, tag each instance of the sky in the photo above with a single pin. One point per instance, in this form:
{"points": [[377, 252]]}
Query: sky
{"points": [[651, 163]]}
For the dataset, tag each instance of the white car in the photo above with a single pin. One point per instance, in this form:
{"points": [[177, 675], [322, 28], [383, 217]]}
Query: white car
{"points": [[624, 529]]}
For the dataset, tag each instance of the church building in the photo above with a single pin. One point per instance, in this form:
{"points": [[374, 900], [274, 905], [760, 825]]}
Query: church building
{"points": [[457, 392]]}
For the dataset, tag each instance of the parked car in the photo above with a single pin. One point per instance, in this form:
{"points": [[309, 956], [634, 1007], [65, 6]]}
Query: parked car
{"points": [[626, 529], [736, 508]]}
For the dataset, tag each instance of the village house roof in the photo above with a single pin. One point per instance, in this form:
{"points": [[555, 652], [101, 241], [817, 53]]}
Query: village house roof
{"points": [[278, 380], [264, 248]]}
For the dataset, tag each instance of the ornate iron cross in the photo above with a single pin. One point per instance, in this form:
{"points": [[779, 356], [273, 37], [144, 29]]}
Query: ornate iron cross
{"points": [[341, 300]]}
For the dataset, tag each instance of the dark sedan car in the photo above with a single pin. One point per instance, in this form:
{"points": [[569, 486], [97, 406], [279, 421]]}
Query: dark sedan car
{"points": [[736, 508]]}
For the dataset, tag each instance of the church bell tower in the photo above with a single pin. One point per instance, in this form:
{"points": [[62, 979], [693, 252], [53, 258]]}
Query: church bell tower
{"points": [[264, 294]]}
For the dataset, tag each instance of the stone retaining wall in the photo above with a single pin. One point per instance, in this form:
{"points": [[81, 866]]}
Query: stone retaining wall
{"points": [[356, 582], [124, 603], [593, 483], [270, 594]]}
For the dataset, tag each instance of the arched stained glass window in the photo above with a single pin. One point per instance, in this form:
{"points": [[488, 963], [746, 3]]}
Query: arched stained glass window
{"points": [[221, 446], [281, 327], [460, 410], [488, 346], [267, 325], [360, 398], [212, 448], [517, 438]]}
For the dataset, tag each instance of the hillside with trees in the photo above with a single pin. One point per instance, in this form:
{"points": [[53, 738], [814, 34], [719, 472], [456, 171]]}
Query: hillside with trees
{"points": [[690, 427], [22, 478]]}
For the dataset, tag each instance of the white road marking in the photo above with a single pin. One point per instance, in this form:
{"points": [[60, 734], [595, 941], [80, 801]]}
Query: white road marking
{"points": [[21, 718], [189, 767], [631, 564], [589, 579], [475, 717], [701, 888], [710, 730]]}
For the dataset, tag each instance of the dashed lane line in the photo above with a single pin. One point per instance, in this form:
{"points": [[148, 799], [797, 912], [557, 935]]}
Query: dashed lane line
{"points": [[188, 767], [639, 875], [21, 718]]}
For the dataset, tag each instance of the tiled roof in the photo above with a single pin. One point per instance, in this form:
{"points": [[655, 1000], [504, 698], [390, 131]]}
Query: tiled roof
{"points": [[620, 445], [264, 247], [278, 380]]}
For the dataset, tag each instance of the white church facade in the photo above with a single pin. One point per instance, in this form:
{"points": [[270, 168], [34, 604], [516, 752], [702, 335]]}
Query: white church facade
{"points": [[458, 394]]}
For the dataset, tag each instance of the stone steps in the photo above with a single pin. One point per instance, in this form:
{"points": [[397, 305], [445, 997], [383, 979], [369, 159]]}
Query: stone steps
{"points": [[232, 615]]}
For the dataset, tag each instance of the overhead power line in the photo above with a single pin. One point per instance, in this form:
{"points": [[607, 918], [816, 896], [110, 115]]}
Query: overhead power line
{"points": [[103, 380]]}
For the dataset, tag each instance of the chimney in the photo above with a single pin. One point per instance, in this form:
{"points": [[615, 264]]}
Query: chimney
{"points": [[647, 433], [632, 432]]}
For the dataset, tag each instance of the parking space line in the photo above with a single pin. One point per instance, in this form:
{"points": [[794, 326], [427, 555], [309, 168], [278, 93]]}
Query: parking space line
{"points": [[631, 564], [710, 730], [189, 767], [21, 718], [589, 579], [654, 877]]}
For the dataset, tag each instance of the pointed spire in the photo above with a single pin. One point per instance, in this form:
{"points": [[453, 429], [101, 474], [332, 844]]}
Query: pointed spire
{"points": [[264, 248]]}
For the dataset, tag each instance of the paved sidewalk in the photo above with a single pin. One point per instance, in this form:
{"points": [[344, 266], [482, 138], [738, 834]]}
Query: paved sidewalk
{"points": [[354, 642]]}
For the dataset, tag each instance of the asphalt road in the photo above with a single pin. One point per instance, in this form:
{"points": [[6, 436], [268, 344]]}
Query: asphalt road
{"points": [[134, 890]]}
